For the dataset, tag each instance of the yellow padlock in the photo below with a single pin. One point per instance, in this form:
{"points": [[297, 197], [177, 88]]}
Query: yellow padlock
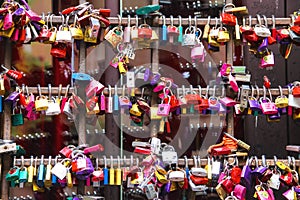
{"points": [[154, 36], [48, 176], [118, 173], [41, 103], [283, 166], [69, 178], [208, 168], [221, 192], [281, 102], [212, 42], [30, 170], [53, 31], [223, 35], [296, 114], [122, 67], [161, 126], [76, 32], [153, 111], [7, 33], [134, 110], [206, 29], [2, 89], [111, 172], [87, 35], [173, 186], [36, 188]]}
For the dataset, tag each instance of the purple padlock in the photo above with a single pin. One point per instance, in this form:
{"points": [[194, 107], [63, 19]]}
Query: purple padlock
{"points": [[147, 74], [19, 11], [155, 78], [274, 116], [213, 104], [246, 176], [253, 104], [258, 171], [13, 96], [263, 46], [87, 171]]}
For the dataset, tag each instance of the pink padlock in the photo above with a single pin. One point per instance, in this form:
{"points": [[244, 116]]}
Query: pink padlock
{"points": [[267, 61], [239, 191], [227, 101], [225, 69], [233, 83], [197, 52], [268, 107], [126, 35], [8, 21]]}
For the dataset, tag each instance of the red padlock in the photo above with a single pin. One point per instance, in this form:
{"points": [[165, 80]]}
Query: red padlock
{"points": [[174, 102], [287, 178], [44, 34], [228, 185], [66, 151], [144, 31], [91, 103], [235, 174]]}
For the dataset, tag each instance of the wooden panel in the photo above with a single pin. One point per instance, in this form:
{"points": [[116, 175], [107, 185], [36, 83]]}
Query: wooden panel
{"points": [[270, 132]]}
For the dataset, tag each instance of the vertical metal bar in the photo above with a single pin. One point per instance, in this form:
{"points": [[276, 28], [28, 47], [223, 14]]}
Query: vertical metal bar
{"points": [[6, 128], [229, 59]]}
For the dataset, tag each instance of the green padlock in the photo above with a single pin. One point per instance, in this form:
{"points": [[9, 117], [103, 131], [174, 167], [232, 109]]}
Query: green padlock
{"points": [[23, 175], [13, 174], [17, 118]]}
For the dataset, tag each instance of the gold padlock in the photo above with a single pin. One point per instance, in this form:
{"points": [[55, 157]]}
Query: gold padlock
{"points": [[69, 179], [114, 36], [7, 33], [53, 31], [134, 110], [94, 111], [212, 42], [281, 102], [121, 67], [87, 35], [296, 114], [48, 181], [223, 35], [36, 188], [41, 103], [221, 192], [154, 36], [76, 32], [2, 89]]}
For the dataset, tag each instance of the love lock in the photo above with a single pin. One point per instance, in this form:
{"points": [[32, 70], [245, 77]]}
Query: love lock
{"points": [[164, 108], [189, 37], [169, 155], [268, 107]]}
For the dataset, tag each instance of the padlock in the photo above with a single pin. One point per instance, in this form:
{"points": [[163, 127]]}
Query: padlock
{"points": [[95, 27], [48, 176], [63, 34], [261, 193], [228, 185], [262, 31], [214, 33], [12, 97], [87, 36], [17, 118], [118, 173], [169, 155], [76, 32], [189, 37], [13, 174], [85, 173], [213, 103], [227, 101], [150, 191], [41, 103], [53, 107], [144, 31], [59, 169], [268, 107], [164, 108], [52, 37], [228, 18], [281, 102], [111, 172], [197, 52], [223, 35], [295, 37], [290, 194], [41, 173], [154, 36], [30, 170], [69, 178], [268, 61], [23, 175], [253, 104], [114, 36], [239, 191], [221, 192], [172, 32]]}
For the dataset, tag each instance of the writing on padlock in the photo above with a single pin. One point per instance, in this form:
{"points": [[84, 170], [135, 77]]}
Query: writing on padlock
{"points": [[169, 155]]}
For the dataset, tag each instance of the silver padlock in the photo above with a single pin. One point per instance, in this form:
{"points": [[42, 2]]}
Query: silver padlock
{"points": [[150, 191], [169, 155]]}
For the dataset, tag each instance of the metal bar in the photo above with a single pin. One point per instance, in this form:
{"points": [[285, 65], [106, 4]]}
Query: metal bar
{"points": [[54, 90], [181, 162], [185, 21]]}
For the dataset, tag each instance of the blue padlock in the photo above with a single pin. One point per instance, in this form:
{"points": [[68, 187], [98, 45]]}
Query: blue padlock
{"points": [[81, 77], [1, 103], [41, 173], [164, 29], [105, 172], [116, 99]]}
